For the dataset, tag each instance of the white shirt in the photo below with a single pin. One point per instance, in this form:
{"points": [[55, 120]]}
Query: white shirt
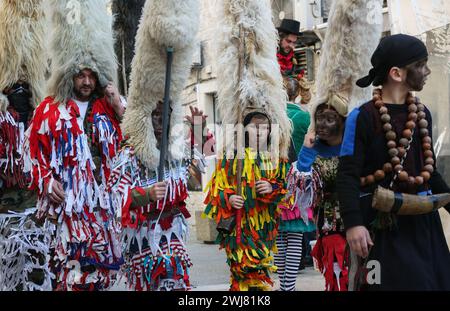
{"points": [[82, 106]]}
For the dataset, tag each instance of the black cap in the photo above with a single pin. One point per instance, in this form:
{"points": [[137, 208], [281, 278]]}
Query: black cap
{"points": [[394, 51], [290, 26]]}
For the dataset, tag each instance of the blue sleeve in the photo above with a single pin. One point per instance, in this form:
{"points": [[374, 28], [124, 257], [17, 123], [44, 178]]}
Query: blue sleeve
{"points": [[348, 142], [306, 158]]}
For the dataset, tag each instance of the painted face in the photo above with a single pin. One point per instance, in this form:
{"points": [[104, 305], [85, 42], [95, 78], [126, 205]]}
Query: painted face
{"points": [[85, 83], [416, 74], [258, 131], [328, 123], [287, 44], [157, 121]]}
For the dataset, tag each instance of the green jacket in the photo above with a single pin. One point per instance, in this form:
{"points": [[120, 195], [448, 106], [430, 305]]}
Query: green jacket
{"points": [[300, 123]]}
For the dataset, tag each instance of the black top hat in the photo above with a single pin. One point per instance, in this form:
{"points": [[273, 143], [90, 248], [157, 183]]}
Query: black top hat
{"points": [[290, 26]]}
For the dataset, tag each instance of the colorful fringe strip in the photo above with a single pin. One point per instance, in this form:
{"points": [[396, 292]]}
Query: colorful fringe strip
{"points": [[11, 142], [332, 258], [248, 257], [302, 195]]}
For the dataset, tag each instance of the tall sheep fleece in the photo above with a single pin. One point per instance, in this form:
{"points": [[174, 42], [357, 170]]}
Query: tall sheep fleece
{"points": [[261, 83], [22, 54], [354, 31], [168, 23], [82, 38]]}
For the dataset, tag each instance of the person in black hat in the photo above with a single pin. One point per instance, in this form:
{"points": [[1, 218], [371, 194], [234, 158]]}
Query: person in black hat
{"points": [[289, 31], [388, 143]]}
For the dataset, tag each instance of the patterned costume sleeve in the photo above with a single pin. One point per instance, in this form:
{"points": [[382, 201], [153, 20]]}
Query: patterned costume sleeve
{"points": [[37, 155]]}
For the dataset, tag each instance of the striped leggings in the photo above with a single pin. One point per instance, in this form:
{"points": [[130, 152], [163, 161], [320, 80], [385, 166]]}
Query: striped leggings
{"points": [[288, 259]]}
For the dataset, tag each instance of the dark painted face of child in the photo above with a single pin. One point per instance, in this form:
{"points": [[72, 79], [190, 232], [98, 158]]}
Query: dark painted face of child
{"points": [[416, 75], [329, 123]]}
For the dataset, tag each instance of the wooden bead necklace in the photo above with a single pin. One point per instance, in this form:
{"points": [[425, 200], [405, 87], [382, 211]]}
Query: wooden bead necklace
{"points": [[398, 151]]}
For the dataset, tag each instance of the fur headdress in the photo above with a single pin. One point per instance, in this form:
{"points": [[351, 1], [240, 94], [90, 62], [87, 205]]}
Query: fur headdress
{"points": [[127, 14], [82, 39], [22, 48], [168, 23], [354, 30], [260, 86]]}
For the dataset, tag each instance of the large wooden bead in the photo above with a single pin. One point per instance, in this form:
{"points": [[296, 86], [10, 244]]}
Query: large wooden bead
{"points": [[370, 179], [426, 176], [426, 139], [410, 100], [387, 167], [387, 127], [412, 117], [383, 110], [386, 118], [395, 161], [412, 108], [426, 146], [429, 168], [401, 152], [391, 144], [410, 125], [379, 175], [404, 142], [393, 152], [428, 154], [421, 115], [376, 97], [407, 133], [398, 168], [411, 180], [419, 180], [421, 107], [391, 135], [429, 161], [424, 132], [403, 176], [379, 104], [423, 123]]}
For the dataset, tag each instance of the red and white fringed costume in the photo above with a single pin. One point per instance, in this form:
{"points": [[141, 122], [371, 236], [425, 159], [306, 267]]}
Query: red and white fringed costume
{"points": [[11, 148], [86, 251], [153, 234]]}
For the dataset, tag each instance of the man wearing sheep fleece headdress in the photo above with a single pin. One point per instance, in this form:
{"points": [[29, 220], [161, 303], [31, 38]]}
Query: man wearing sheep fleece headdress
{"points": [[73, 137], [153, 214], [23, 243]]}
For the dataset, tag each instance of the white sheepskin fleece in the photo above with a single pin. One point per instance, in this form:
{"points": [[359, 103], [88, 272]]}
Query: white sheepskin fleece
{"points": [[261, 84], [22, 47], [82, 38], [354, 31], [168, 23]]}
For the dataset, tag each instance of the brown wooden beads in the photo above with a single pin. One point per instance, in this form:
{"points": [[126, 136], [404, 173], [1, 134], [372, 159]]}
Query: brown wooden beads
{"points": [[397, 148]]}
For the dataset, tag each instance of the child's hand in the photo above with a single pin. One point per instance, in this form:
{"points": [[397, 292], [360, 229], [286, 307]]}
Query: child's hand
{"points": [[263, 187], [158, 191], [237, 201]]}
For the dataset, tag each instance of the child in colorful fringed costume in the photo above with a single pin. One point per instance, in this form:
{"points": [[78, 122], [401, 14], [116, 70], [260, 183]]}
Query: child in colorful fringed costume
{"points": [[249, 246], [296, 216], [23, 243], [72, 139], [249, 179], [153, 214]]}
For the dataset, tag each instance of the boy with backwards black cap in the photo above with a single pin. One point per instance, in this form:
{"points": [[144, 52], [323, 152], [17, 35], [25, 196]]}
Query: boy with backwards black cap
{"points": [[388, 143]]}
